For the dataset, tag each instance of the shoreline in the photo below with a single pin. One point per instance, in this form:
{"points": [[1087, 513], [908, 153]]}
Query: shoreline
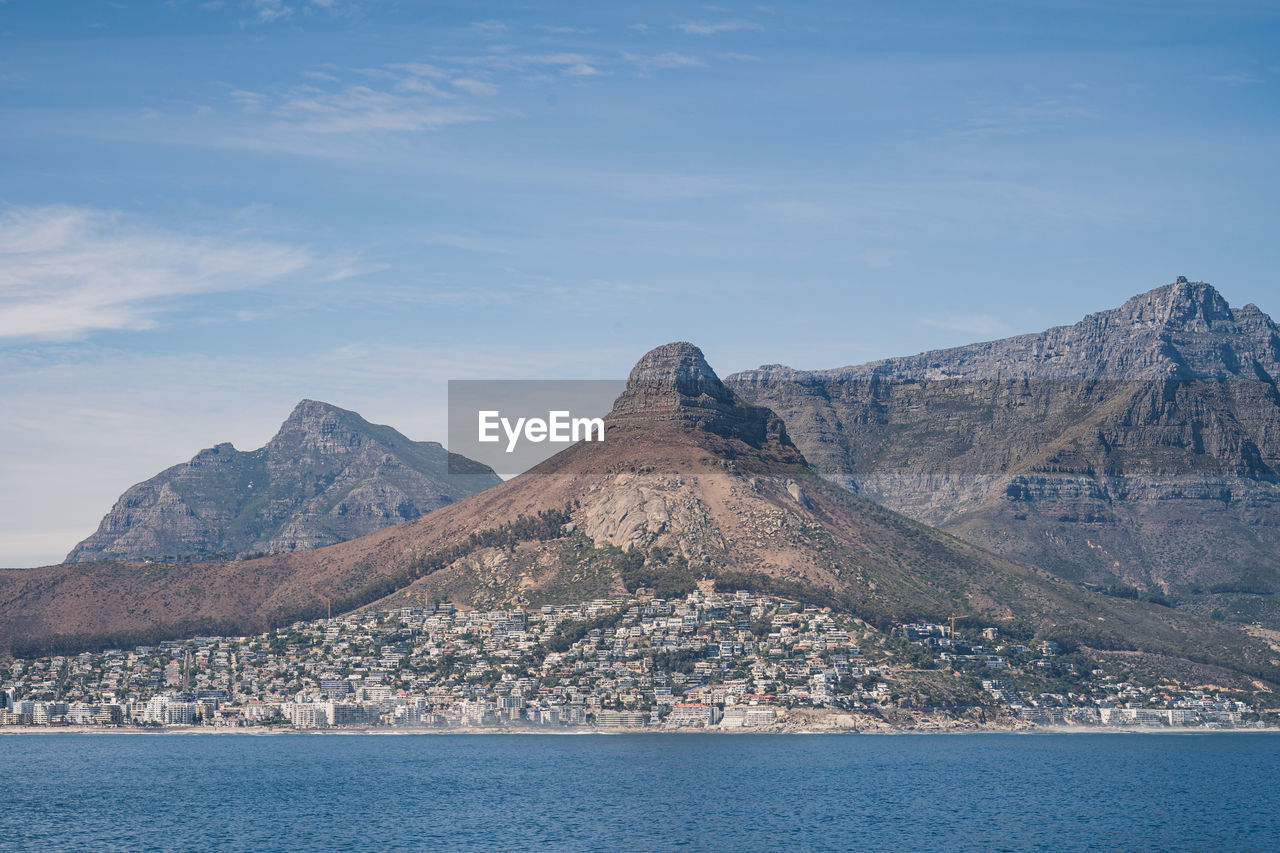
{"points": [[272, 732]]}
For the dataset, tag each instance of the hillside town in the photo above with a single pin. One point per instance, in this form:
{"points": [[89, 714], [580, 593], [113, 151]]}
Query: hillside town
{"points": [[722, 661]]}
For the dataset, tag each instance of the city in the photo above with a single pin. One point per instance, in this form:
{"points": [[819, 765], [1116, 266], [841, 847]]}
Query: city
{"points": [[712, 660]]}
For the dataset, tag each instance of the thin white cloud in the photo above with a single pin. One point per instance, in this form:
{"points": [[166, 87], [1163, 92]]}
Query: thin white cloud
{"points": [[250, 101], [420, 69], [422, 86], [490, 29], [552, 59], [474, 87], [328, 114], [363, 108], [1045, 114], [524, 61], [980, 325], [270, 10], [324, 76], [694, 28], [563, 31], [880, 258], [66, 271], [338, 111], [663, 61], [1241, 78], [399, 97]]}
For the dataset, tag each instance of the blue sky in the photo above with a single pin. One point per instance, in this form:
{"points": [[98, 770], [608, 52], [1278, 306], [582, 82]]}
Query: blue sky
{"points": [[210, 210]]}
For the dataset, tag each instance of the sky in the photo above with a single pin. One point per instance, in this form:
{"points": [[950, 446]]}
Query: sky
{"points": [[212, 210]]}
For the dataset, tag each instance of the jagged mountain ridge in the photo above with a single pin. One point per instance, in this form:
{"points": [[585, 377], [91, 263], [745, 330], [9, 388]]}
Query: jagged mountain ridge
{"points": [[1140, 445], [328, 475], [690, 485]]}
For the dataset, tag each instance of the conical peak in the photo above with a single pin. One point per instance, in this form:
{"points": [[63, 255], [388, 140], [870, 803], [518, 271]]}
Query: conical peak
{"points": [[310, 410], [321, 424], [673, 355], [679, 367], [674, 385]]}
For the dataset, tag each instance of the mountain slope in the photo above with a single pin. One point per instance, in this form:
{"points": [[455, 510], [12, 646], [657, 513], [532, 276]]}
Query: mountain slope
{"points": [[1139, 446], [689, 486], [328, 475]]}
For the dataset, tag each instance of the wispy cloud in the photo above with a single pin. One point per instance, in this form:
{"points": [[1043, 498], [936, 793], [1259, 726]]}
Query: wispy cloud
{"points": [[270, 10], [880, 258], [427, 94], [524, 61], [68, 271], [694, 28], [563, 31], [978, 325], [417, 105], [423, 86], [420, 69], [474, 87], [1240, 78], [251, 101], [663, 61], [490, 29], [398, 97], [1044, 114], [319, 75]]}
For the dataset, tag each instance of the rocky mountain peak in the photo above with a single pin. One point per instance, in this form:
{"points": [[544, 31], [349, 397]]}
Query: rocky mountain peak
{"points": [[328, 475], [1140, 444], [308, 410], [321, 426], [1183, 330], [674, 384], [675, 371], [310, 414], [1193, 305]]}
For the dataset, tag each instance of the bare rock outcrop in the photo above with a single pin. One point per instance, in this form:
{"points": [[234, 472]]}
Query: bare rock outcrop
{"points": [[1140, 446], [327, 476]]}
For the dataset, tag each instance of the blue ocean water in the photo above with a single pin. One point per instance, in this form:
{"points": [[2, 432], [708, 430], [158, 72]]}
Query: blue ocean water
{"points": [[640, 792]]}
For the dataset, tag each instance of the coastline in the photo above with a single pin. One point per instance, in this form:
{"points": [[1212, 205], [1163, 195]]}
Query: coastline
{"points": [[253, 731]]}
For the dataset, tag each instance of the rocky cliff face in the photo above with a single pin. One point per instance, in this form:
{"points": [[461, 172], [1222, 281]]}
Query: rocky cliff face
{"points": [[327, 476], [1140, 445]]}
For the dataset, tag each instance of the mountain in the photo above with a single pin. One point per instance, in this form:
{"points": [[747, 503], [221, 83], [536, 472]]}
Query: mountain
{"points": [[327, 476], [1137, 449], [690, 487]]}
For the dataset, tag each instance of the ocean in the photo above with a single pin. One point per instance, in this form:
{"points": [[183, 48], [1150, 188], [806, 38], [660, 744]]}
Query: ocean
{"points": [[298, 792]]}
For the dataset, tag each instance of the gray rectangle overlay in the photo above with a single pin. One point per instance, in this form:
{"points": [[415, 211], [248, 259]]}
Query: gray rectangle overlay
{"points": [[513, 424]]}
